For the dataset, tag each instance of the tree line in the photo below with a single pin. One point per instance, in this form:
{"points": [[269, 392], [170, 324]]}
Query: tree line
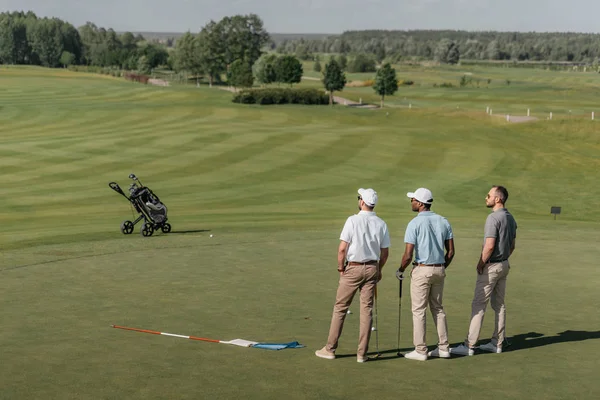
{"points": [[26, 39], [419, 45]]}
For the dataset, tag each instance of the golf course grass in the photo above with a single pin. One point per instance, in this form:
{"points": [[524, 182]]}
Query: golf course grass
{"points": [[274, 185]]}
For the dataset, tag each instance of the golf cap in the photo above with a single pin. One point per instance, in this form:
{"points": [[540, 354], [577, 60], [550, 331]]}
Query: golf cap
{"points": [[369, 196], [421, 194]]}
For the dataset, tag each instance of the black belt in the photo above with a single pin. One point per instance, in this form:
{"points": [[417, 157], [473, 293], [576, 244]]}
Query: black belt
{"points": [[496, 262], [429, 265], [370, 262]]}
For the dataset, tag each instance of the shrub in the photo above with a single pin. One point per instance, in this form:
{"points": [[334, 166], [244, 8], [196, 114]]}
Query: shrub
{"points": [[366, 83], [402, 82], [281, 96], [131, 76], [362, 63]]}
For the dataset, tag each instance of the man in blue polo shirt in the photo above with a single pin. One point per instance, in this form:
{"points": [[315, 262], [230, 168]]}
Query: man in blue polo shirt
{"points": [[429, 237]]}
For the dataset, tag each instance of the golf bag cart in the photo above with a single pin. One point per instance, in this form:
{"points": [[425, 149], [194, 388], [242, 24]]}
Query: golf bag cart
{"points": [[147, 204]]}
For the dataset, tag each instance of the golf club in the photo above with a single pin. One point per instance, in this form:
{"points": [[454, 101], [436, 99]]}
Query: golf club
{"points": [[400, 277], [376, 327]]}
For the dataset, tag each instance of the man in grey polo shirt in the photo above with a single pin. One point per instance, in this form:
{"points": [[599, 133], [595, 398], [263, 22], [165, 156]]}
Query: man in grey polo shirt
{"points": [[362, 253], [500, 234], [429, 236]]}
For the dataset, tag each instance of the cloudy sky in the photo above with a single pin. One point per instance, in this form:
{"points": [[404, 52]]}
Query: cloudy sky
{"points": [[325, 16]]}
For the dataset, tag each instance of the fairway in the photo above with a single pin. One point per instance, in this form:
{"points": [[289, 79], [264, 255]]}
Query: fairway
{"points": [[274, 185]]}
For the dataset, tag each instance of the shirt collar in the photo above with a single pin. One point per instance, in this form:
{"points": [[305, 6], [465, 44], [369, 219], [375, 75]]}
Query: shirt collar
{"points": [[367, 212]]}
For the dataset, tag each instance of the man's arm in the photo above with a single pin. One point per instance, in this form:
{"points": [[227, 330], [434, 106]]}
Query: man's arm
{"points": [[385, 253], [408, 256], [512, 246], [486, 253], [449, 244], [383, 257], [342, 250]]}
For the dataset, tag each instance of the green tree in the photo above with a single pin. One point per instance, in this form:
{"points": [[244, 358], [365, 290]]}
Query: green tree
{"points": [[362, 63], [317, 66], [156, 54], [211, 51], [343, 61], [243, 37], [187, 55], [240, 74], [264, 69], [143, 65], [453, 54], [14, 47], [67, 58], [334, 78], [46, 41], [386, 83], [379, 52], [288, 70], [302, 52]]}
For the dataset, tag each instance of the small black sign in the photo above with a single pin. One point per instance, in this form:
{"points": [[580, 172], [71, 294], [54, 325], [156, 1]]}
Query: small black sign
{"points": [[554, 210]]}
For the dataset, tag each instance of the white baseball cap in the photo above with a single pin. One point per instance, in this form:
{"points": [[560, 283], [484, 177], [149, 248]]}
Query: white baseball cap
{"points": [[421, 194], [369, 196]]}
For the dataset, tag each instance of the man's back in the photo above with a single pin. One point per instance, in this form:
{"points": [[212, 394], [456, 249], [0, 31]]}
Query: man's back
{"points": [[366, 234], [501, 225], [428, 231]]}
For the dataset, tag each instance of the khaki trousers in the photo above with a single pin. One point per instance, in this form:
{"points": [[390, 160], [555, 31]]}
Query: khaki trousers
{"points": [[491, 284], [355, 277], [427, 287]]}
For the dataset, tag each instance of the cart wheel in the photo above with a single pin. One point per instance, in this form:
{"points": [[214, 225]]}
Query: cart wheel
{"points": [[166, 228], [127, 227], [147, 230]]}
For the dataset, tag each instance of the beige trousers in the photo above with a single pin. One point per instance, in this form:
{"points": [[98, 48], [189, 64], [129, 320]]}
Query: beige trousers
{"points": [[364, 279], [491, 284], [427, 288]]}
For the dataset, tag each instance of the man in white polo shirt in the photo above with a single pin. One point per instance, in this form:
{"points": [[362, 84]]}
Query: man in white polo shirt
{"points": [[429, 236], [362, 253]]}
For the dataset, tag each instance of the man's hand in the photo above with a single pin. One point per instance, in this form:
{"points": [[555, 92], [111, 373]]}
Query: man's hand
{"points": [[400, 274], [379, 275], [480, 268]]}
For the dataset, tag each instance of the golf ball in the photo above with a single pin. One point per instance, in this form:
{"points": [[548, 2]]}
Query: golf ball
{"points": [[373, 328], [211, 235], [349, 312]]}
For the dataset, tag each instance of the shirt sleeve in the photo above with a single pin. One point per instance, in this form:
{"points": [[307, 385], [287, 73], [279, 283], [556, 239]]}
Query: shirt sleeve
{"points": [[449, 233], [411, 235], [385, 241], [346, 234], [490, 230]]}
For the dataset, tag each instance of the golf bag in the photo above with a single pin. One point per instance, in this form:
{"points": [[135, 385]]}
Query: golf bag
{"points": [[149, 207]]}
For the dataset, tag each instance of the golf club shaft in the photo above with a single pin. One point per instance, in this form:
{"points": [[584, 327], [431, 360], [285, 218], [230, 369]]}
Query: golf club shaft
{"points": [[399, 309], [376, 327]]}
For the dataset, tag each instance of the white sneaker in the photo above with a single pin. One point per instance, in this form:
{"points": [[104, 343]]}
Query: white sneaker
{"points": [[414, 355], [362, 359], [323, 353], [439, 353], [462, 350], [489, 347]]}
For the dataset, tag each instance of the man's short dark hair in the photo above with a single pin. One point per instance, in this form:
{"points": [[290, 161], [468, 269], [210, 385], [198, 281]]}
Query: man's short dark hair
{"points": [[502, 193]]}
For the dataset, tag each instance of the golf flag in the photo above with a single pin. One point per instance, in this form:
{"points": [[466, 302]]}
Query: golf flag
{"points": [[235, 342]]}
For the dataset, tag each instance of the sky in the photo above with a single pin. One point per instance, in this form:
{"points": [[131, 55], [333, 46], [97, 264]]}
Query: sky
{"points": [[324, 16]]}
